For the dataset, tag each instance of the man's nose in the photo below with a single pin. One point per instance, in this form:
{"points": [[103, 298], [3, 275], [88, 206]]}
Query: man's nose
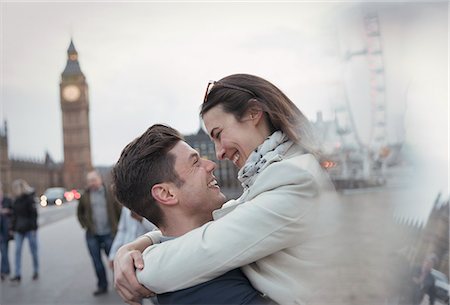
{"points": [[210, 165]]}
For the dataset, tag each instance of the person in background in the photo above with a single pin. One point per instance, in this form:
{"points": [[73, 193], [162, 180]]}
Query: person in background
{"points": [[5, 225], [98, 213], [131, 226], [24, 225]]}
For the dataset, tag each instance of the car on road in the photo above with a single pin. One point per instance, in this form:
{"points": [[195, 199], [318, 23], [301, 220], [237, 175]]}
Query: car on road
{"points": [[53, 195], [441, 286]]}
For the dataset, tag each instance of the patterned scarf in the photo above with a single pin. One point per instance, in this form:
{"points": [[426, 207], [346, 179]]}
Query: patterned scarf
{"points": [[269, 151]]}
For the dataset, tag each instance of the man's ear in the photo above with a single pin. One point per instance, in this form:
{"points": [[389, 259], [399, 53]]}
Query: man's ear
{"points": [[164, 194]]}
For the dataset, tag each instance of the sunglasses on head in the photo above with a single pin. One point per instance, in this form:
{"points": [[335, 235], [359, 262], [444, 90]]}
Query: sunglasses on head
{"points": [[211, 84]]}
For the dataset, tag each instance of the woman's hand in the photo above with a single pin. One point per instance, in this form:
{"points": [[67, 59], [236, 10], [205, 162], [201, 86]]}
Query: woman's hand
{"points": [[128, 259]]}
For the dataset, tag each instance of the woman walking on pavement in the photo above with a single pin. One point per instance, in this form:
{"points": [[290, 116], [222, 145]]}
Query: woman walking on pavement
{"points": [[24, 225]]}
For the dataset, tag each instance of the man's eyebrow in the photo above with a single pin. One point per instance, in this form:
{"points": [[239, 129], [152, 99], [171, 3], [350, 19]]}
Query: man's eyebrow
{"points": [[194, 155]]}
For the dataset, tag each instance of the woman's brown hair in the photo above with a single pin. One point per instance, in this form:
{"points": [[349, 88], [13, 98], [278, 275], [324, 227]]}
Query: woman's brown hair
{"points": [[238, 93]]}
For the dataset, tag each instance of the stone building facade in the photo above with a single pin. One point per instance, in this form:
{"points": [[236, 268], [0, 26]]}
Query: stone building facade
{"points": [[417, 240], [39, 173]]}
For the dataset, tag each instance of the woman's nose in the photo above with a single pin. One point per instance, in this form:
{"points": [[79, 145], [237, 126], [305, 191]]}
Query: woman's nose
{"points": [[220, 153]]}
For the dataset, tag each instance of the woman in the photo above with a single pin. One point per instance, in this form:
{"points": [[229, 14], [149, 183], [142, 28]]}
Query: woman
{"points": [[270, 231], [24, 225]]}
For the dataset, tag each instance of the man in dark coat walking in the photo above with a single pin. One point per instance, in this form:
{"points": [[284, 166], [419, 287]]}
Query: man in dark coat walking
{"points": [[98, 213]]}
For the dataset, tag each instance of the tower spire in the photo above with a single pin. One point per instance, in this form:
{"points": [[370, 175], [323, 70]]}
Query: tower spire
{"points": [[71, 49], [73, 66]]}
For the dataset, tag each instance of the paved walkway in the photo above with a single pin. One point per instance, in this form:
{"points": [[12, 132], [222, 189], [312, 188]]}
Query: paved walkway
{"points": [[66, 272]]}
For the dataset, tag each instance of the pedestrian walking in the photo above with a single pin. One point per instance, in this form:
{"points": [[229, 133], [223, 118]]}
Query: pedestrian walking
{"points": [[24, 225], [5, 236], [98, 213]]}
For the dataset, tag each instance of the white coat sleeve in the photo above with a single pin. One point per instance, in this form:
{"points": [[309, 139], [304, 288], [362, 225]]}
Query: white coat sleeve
{"points": [[155, 236], [271, 221]]}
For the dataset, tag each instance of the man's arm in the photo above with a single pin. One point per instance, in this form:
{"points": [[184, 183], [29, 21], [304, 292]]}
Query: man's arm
{"points": [[129, 258]]}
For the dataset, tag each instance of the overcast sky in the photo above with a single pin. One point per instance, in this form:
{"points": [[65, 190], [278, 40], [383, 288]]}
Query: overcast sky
{"points": [[149, 63]]}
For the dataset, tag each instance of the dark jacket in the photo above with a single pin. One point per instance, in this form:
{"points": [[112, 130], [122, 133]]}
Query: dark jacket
{"points": [[7, 202], [24, 216], [84, 211], [5, 219], [232, 287]]}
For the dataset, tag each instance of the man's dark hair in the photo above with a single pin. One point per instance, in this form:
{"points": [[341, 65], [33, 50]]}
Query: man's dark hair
{"points": [[142, 164]]}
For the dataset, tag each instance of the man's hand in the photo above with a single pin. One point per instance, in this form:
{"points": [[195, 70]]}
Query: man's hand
{"points": [[129, 258]]}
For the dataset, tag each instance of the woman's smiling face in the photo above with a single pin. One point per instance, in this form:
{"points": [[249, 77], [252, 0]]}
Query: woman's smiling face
{"points": [[233, 140]]}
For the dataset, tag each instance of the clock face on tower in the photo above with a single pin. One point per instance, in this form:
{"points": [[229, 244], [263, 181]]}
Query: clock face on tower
{"points": [[71, 93]]}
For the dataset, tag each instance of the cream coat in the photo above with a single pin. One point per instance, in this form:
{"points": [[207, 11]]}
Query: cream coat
{"points": [[270, 231]]}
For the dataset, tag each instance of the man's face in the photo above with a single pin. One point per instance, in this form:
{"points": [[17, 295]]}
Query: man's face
{"points": [[200, 194], [94, 181]]}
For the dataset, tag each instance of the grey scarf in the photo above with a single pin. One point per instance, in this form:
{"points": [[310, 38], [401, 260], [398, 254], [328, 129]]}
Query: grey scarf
{"points": [[271, 149]]}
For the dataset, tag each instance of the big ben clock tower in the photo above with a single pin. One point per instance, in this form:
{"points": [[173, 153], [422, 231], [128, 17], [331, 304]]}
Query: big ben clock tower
{"points": [[75, 119]]}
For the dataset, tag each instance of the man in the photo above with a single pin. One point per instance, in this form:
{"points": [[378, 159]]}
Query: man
{"points": [[5, 215], [162, 178], [98, 213]]}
